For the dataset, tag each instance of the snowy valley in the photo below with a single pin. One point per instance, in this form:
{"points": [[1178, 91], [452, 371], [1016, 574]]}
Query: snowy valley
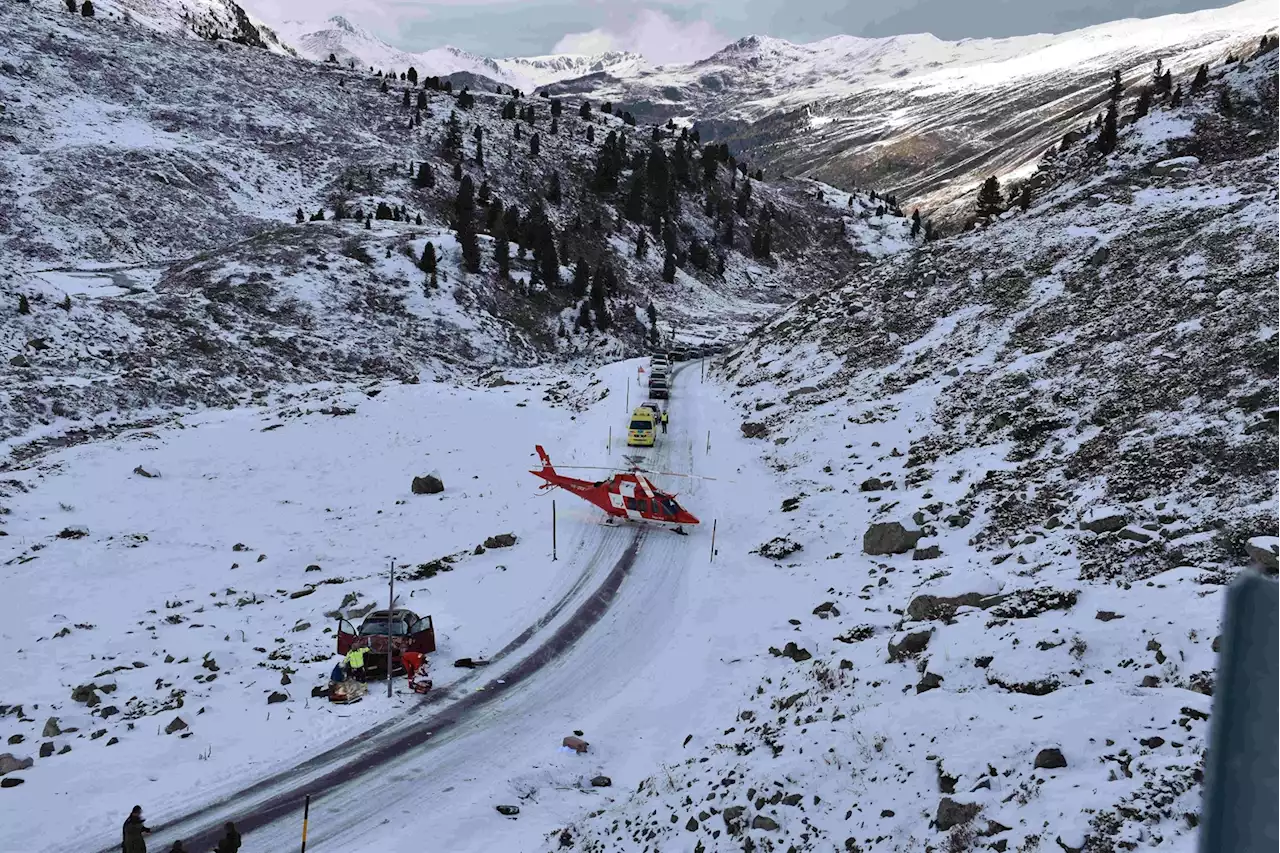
{"points": [[969, 498]]}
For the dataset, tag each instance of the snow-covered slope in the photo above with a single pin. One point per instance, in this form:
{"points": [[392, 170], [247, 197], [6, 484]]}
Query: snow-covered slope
{"points": [[1018, 468], [912, 115], [348, 42], [206, 19]]}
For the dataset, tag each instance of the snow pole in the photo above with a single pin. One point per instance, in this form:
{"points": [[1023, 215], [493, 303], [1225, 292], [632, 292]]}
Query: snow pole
{"points": [[608, 448], [553, 531], [708, 441], [391, 606], [628, 397], [306, 813], [713, 540]]}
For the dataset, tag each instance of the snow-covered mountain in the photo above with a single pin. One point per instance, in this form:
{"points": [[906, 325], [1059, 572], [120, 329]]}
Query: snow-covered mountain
{"points": [[913, 115], [348, 42], [206, 19]]}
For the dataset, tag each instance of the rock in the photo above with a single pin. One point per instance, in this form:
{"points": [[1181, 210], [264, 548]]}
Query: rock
{"points": [[20, 360], [428, 485], [46, 749], [65, 749], [692, 825], [478, 551], [285, 679], [509, 811], [575, 743], [1135, 534], [887, 813], [86, 693], [1175, 166], [277, 697], [15, 739], [1107, 615], [1265, 552], [933, 552], [1050, 759], [826, 610], [779, 548], [177, 724], [305, 591], [791, 650], [78, 531], [143, 472], [1153, 742], [959, 519], [319, 691], [927, 607], [301, 626], [910, 645], [601, 781], [792, 799], [889, 537], [750, 429], [733, 819], [11, 782], [929, 681], [11, 764], [762, 822], [871, 484], [113, 741], [983, 661], [1103, 520], [951, 813], [1150, 681], [51, 728], [502, 540], [1100, 256]]}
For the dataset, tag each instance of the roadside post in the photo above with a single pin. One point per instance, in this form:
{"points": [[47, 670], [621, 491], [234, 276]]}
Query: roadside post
{"points": [[553, 530], [306, 813], [714, 522], [391, 606]]}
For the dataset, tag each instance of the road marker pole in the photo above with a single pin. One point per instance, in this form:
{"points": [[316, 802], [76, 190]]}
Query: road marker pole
{"points": [[553, 531], [708, 441], [609, 447], [306, 813], [391, 606], [714, 522]]}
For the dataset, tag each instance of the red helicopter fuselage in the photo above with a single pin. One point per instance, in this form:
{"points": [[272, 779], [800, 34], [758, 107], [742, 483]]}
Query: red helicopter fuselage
{"points": [[623, 495]]}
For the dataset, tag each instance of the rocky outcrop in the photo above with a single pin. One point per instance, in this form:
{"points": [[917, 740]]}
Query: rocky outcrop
{"points": [[428, 485], [889, 537], [910, 645]]}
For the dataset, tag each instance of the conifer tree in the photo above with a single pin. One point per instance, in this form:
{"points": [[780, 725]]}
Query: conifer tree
{"points": [[71, 7], [584, 316], [453, 137], [24, 305], [1225, 104], [318, 216], [1201, 79], [1157, 74], [465, 99], [1143, 105], [502, 251], [517, 133], [299, 216], [549, 260], [1175, 100], [581, 279], [553, 188], [404, 102], [591, 133], [1166, 83], [484, 194], [633, 209], [557, 107], [417, 220], [669, 267], [584, 111], [642, 244], [599, 286], [607, 108], [412, 75], [535, 145], [1024, 196], [555, 126], [990, 201], [457, 171], [426, 178], [479, 153], [384, 87], [464, 207], [743, 204], [422, 98], [86, 9], [1107, 136], [427, 261]]}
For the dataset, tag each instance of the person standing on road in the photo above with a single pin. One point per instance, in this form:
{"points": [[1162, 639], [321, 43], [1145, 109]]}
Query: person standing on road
{"points": [[134, 829], [230, 842], [664, 421], [355, 663]]}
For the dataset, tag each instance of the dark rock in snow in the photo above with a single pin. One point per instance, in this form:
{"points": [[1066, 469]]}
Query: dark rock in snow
{"points": [[933, 552], [910, 645], [929, 681], [509, 811], [1265, 552], [601, 782], [1135, 534], [1153, 742], [751, 429], [692, 825], [11, 764], [86, 693], [951, 813], [926, 607], [276, 697], [762, 822], [791, 650], [319, 691], [51, 728], [779, 548], [502, 540], [46, 749], [733, 819], [11, 782], [1050, 759], [177, 724], [15, 739], [1107, 615], [428, 485], [78, 531], [1104, 522], [871, 484], [144, 472], [826, 610], [889, 537], [1150, 681]]}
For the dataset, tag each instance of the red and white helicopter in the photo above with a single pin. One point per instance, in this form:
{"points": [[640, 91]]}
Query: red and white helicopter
{"points": [[624, 494]]}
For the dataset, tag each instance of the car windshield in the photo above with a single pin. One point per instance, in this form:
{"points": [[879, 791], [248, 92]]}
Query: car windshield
{"points": [[379, 626], [639, 424]]}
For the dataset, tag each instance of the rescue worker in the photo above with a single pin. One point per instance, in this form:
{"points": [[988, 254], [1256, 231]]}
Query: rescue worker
{"points": [[134, 829], [355, 662], [230, 843], [664, 421]]}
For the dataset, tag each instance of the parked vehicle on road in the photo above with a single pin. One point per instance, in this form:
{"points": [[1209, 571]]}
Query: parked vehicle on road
{"points": [[643, 429], [403, 629]]}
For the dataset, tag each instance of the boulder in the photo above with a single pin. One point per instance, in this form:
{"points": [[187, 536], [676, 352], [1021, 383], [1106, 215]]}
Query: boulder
{"points": [[1135, 534], [1264, 551], [502, 540], [51, 728], [177, 724], [601, 781], [11, 782], [11, 764], [791, 650], [509, 811], [145, 472], [1104, 520], [46, 749], [951, 813], [1107, 615], [20, 360], [733, 819], [428, 485], [909, 645], [871, 484], [826, 610], [933, 552], [575, 743], [86, 694], [1100, 256], [76, 531], [929, 681], [762, 822], [889, 537], [779, 548], [751, 429], [319, 691], [924, 608], [277, 697], [1050, 759]]}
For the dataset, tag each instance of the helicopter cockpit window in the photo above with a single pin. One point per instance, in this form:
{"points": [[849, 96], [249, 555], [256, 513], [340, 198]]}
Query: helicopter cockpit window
{"points": [[669, 507], [642, 505], [629, 503]]}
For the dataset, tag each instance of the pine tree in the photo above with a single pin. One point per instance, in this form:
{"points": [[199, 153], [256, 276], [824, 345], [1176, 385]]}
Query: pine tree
{"points": [[1024, 196], [412, 74], [86, 9], [1225, 105], [1166, 83], [915, 222], [584, 111], [535, 145], [464, 208], [553, 188], [417, 220], [654, 334], [599, 286], [642, 244], [484, 194], [465, 99], [384, 88], [669, 267], [1116, 89], [457, 171], [318, 216], [743, 204], [1175, 100], [517, 133], [384, 211], [299, 216], [404, 102], [479, 153], [502, 252], [549, 260], [368, 223], [1201, 79], [1157, 74], [581, 279], [607, 108], [65, 304], [990, 201], [71, 7], [427, 261], [453, 137], [426, 178], [633, 209], [422, 99], [591, 133], [24, 305], [555, 126], [699, 254], [1107, 136], [584, 316], [1143, 105], [556, 107]]}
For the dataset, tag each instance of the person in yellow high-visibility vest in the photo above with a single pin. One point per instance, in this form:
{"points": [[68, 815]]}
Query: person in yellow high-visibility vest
{"points": [[355, 662], [664, 421]]}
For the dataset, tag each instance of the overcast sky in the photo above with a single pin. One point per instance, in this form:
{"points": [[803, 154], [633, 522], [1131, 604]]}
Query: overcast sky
{"points": [[684, 30]]}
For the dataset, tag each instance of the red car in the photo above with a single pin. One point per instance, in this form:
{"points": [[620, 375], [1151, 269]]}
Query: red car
{"points": [[404, 629]]}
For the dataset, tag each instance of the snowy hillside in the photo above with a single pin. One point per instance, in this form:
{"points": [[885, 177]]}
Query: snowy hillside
{"points": [[912, 115], [1018, 468], [348, 42]]}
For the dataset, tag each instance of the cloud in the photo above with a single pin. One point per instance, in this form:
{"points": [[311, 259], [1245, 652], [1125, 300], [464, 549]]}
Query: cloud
{"points": [[656, 35]]}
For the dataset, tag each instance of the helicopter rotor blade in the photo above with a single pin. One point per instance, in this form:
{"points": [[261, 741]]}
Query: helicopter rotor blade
{"points": [[644, 484]]}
